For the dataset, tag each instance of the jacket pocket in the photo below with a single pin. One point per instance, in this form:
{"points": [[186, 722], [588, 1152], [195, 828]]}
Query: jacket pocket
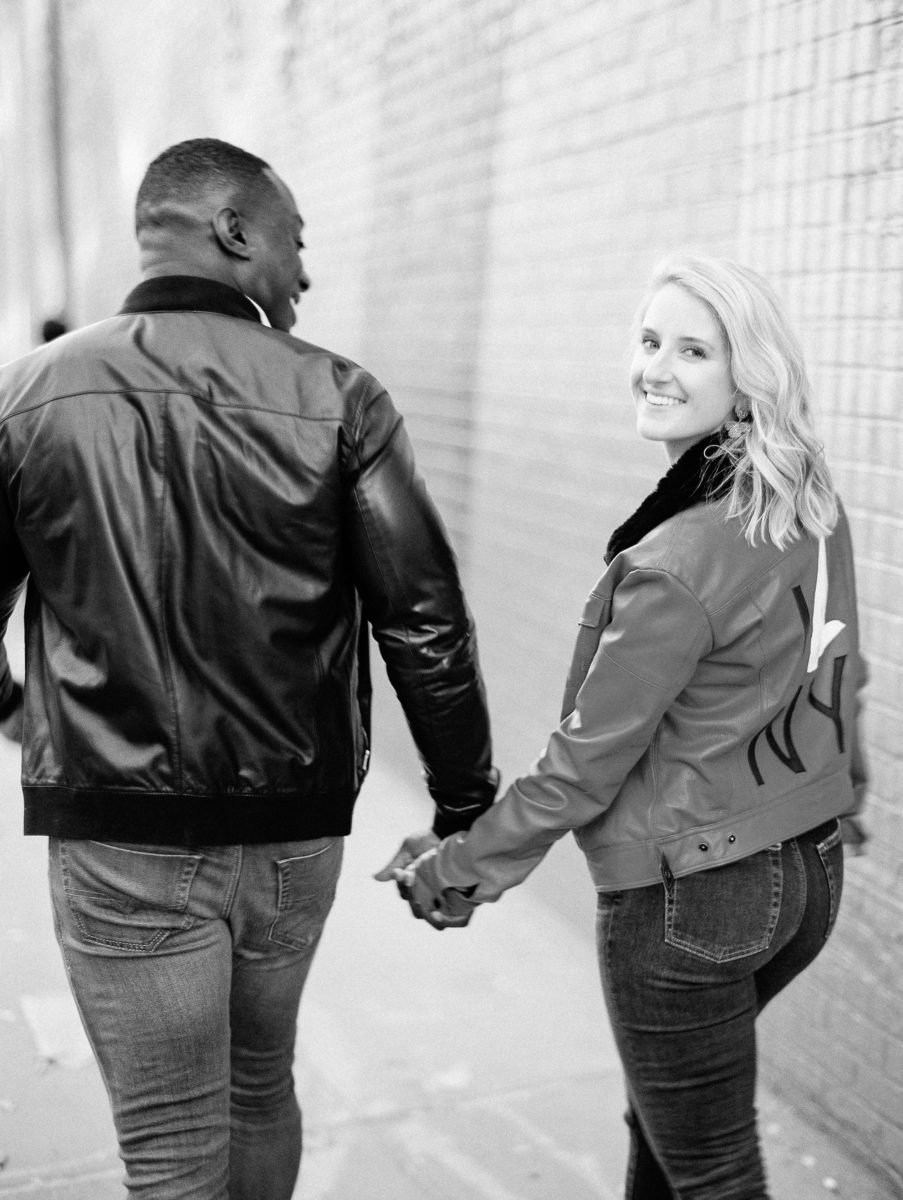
{"points": [[305, 889], [728, 912], [127, 898], [592, 622], [593, 611]]}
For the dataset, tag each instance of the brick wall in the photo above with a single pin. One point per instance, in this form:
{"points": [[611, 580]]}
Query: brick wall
{"points": [[33, 278], [821, 204], [486, 185]]}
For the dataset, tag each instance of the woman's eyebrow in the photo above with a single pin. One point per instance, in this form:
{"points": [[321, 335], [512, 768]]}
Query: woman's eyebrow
{"points": [[647, 331], [698, 341]]}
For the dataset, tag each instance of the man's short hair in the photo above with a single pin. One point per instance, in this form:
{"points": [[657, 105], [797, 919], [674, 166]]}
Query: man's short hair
{"points": [[188, 171]]}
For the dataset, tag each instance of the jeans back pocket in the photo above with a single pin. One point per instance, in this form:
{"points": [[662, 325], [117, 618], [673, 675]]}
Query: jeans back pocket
{"points": [[727, 912], [830, 852], [306, 887], [126, 897]]}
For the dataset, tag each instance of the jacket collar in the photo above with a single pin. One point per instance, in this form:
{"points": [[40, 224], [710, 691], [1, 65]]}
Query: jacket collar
{"points": [[189, 293], [698, 475]]}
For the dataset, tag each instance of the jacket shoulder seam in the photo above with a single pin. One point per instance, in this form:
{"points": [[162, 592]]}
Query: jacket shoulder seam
{"points": [[672, 575], [738, 589], [337, 418]]}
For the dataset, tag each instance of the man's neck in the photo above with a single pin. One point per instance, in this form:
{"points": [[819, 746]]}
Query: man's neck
{"points": [[181, 266]]}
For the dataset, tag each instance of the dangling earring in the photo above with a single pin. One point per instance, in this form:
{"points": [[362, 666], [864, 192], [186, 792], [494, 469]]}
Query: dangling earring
{"points": [[740, 426]]}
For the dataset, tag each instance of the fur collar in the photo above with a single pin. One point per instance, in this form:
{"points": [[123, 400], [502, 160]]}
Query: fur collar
{"points": [[189, 293], [694, 478]]}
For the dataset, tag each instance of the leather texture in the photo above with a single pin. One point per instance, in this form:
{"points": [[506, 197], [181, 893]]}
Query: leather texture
{"points": [[710, 711], [206, 511]]}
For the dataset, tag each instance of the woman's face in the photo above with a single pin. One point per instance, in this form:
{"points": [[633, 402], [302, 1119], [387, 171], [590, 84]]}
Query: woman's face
{"points": [[680, 375]]}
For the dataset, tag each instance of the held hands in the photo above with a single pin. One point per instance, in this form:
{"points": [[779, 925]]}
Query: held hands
{"points": [[442, 907], [414, 870], [410, 849]]}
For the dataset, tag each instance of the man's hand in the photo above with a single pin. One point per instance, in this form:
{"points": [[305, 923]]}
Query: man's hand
{"points": [[442, 907], [411, 848]]}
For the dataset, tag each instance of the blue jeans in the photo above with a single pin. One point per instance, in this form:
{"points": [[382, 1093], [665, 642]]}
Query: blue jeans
{"points": [[187, 966], [686, 968]]}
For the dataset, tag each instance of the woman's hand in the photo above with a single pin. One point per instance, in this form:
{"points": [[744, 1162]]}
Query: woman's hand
{"points": [[442, 907]]}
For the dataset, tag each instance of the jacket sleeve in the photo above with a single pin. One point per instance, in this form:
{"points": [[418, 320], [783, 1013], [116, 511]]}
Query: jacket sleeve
{"points": [[646, 656], [859, 773], [854, 834], [13, 571], [407, 577]]}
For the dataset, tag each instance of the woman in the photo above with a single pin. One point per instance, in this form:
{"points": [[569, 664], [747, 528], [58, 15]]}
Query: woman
{"points": [[707, 748]]}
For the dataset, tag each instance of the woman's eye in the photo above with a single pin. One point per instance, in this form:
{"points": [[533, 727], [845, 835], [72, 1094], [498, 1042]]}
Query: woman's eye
{"points": [[694, 352], [649, 344]]}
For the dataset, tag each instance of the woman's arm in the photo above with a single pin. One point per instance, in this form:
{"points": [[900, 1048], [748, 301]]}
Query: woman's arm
{"points": [[647, 654]]}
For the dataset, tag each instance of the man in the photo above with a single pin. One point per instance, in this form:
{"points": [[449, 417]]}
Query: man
{"points": [[204, 507]]}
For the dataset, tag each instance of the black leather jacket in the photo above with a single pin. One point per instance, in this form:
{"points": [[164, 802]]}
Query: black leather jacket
{"points": [[204, 508]]}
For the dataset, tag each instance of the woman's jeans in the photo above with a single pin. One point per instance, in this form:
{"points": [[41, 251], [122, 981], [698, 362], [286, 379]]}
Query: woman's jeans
{"points": [[187, 966], [686, 967]]}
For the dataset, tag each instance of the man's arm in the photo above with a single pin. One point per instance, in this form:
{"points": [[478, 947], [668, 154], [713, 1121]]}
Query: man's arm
{"points": [[407, 576]]}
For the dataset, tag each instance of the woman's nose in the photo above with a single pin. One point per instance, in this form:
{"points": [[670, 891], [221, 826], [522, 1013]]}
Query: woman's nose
{"points": [[657, 368]]}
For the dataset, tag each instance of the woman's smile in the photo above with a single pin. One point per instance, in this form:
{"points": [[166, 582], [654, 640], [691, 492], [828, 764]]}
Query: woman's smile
{"points": [[657, 400], [681, 374]]}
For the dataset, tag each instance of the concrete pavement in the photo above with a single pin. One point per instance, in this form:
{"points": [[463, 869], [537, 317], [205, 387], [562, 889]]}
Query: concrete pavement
{"points": [[469, 1065]]}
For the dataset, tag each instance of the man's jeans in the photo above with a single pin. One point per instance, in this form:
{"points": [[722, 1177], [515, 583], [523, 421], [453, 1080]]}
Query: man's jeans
{"points": [[685, 969], [187, 966]]}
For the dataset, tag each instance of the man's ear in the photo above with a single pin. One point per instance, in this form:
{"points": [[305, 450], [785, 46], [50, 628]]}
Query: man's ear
{"points": [[229, 228]]}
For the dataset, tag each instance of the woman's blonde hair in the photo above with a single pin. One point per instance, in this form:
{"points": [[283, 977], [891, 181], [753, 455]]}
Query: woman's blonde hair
{"points": [[780, 481]]}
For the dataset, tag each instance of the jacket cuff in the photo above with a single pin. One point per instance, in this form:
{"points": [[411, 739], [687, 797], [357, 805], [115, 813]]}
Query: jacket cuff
{"points": [[447, 822], [457, 817], [12, 702], [854, 835], [454, 870]]}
